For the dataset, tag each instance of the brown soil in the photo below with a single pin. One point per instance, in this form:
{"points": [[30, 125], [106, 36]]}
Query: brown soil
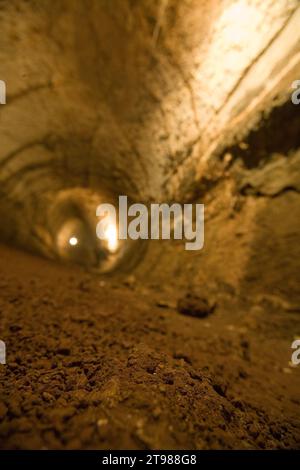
{"points": [[99, 363]]}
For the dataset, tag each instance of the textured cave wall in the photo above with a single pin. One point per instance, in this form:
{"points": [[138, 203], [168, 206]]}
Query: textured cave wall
{"points": [[135, 97], [251, 249]]}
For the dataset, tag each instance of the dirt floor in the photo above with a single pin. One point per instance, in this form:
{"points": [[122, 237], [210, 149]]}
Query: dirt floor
{"points": [[94, 362]]}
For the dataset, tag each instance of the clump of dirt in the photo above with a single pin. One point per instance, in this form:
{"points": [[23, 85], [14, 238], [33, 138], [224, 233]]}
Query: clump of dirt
{"points": [[97, 364], [195, 305]]}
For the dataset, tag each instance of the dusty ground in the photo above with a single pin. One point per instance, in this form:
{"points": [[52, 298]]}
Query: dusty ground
{"points": [[99, 363]]}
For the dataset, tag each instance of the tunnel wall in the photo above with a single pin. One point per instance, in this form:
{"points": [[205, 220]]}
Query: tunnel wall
{"points": [[251, 248]]}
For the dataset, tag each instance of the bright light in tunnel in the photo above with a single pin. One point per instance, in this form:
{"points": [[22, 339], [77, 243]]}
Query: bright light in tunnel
{"points": [[73, 241], [238, 36], [239, 24], [112, 237]]}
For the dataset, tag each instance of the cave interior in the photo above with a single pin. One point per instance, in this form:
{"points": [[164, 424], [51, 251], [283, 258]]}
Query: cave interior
{"points": [[143, 344]]}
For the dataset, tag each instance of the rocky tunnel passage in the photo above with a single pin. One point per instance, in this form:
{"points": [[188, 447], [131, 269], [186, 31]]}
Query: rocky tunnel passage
{"points": [[134, 97], [162, 101]]}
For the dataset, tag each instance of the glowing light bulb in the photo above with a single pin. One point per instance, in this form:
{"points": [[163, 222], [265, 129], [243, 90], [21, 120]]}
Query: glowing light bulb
{"points": [[73, 241], [112, 238]]}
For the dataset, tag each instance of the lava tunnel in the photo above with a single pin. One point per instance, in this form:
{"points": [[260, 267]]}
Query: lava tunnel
{"points": [[150, 224]]}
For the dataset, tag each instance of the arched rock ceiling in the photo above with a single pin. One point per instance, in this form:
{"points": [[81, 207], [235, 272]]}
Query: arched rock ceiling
{"points": [[135, 95]]}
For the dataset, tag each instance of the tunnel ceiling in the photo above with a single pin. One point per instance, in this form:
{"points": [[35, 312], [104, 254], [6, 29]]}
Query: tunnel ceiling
{"points": [[136, 96]]}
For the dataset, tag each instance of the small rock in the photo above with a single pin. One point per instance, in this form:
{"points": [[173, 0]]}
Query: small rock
{"points": [[243, 145], [227, 158], [48, 397], [195, 306], [102, 422]]}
